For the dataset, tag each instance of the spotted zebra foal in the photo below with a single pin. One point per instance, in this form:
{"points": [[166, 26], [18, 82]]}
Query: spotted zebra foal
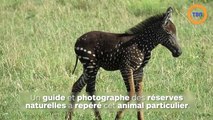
{"points": [[128, 52]]}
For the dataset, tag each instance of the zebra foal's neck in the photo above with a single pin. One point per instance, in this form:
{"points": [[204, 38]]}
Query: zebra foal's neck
{"points": [[144, 42], [146, 34]]}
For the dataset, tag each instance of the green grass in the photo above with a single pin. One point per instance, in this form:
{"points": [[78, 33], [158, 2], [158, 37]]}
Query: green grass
{"points": [[37, 54]]}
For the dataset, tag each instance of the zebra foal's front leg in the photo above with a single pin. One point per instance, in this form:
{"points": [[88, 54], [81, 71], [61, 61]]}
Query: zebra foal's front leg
{"points": [[127, 75], [138, 76]]}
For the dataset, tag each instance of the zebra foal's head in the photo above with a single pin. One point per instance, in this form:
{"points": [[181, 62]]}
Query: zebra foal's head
{"points": [[169, 34]]}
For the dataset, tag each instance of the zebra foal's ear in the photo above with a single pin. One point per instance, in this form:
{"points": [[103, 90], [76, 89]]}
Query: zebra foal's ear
{"points": [[168, 15]]}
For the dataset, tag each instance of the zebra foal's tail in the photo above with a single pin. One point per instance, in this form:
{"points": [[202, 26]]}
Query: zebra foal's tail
{"points": [[76, 62]]}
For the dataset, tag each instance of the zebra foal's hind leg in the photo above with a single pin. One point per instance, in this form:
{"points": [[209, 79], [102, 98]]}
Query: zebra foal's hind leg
{"points": [[91, 73], [77, 87], [127, 75]]}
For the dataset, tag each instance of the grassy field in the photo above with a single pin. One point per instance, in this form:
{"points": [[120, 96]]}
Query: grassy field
{"points": [[37, 54]]}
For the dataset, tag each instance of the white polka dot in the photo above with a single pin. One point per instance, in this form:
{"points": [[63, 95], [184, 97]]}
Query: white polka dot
{"points": [[89, 52], [86, 58], [90, 67]]}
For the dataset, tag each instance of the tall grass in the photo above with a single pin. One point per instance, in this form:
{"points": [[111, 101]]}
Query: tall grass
{"points": [[37, 54]]}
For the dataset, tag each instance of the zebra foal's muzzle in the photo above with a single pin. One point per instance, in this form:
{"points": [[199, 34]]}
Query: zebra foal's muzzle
{"points": [[177, 53], [173, 46]]}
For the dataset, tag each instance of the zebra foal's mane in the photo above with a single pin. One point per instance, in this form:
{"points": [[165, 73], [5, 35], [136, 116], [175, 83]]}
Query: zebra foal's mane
{"points": [[146, 23]]}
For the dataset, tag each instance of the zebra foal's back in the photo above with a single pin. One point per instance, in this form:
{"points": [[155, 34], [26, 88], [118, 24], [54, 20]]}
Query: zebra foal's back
{"points": [[102, 49]]}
